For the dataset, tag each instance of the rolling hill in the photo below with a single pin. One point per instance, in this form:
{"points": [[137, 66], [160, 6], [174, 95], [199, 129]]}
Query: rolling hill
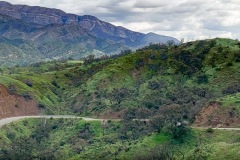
{"points": [[188, 77], [169, 88]]}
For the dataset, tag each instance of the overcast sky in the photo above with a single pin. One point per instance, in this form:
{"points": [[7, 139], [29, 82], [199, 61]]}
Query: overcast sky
{"points": [[189, 19]]}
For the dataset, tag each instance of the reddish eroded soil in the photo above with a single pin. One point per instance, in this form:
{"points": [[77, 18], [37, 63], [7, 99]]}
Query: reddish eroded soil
{"points": [[213, 115], [14, 105]]}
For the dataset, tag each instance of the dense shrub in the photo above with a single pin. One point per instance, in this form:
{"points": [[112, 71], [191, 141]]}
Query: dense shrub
{"points": [[179, 131], [139, 63], [209, 130], [29, 83], [12, 89], [27, 96], [153, 85], [231, 89], [202, 78]]}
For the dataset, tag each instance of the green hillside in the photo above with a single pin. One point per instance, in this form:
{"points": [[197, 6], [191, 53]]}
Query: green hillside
{"points": [[165, 85], [77, 139], [187, 76]]}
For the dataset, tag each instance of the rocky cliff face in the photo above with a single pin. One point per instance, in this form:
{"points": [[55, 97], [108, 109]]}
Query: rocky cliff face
{"points": [[54, 34], [45, 16], [14, 105], [38, 15]]}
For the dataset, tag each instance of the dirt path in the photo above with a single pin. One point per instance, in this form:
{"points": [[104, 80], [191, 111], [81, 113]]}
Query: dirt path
{"points": [[13, 119], [236, 129]]}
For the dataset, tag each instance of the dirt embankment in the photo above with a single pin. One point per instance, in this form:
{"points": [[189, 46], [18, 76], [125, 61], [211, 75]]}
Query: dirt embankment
{"points": [[214, 115], [14, 105]]}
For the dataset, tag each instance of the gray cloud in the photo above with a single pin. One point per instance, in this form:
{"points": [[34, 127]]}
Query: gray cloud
{"points": [[191, 19]]}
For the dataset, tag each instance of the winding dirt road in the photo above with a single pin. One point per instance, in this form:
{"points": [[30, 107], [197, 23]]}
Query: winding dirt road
{"points": [[13, 119], [236, 129]]}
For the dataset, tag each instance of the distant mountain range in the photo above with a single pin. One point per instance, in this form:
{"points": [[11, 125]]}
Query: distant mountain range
{"points": [[30, 34]]}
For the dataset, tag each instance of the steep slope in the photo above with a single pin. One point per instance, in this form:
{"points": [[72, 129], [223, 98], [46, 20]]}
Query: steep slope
{"points": [[18, 51], [59, 42], [24, 43], [183, 78], [37, 15], [172, 86], [15, 29], [13, 105], [157, 79], [44, 16], [69, 35], [214, 115]]}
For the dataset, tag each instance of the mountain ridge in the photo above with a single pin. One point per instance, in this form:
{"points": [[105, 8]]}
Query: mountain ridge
{"points": [[26, 13], [35, 25]]}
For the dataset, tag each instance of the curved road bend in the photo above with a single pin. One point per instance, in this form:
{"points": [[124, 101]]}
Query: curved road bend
{"points": [[13, 119]]}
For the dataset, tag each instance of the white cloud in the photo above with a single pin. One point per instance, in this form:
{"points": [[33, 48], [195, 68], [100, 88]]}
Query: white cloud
{"points": [[191, 19]]}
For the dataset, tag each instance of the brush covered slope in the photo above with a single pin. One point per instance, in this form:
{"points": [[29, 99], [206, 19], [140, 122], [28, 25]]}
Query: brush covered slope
{"points": [[171, 87], [46, 34], [15, 105], [130, 140], [157, 79]]}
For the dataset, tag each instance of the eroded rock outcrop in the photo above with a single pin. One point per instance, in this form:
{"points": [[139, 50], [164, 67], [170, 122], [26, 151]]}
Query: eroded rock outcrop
{"points": [[214, 115], [14, 105]]}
